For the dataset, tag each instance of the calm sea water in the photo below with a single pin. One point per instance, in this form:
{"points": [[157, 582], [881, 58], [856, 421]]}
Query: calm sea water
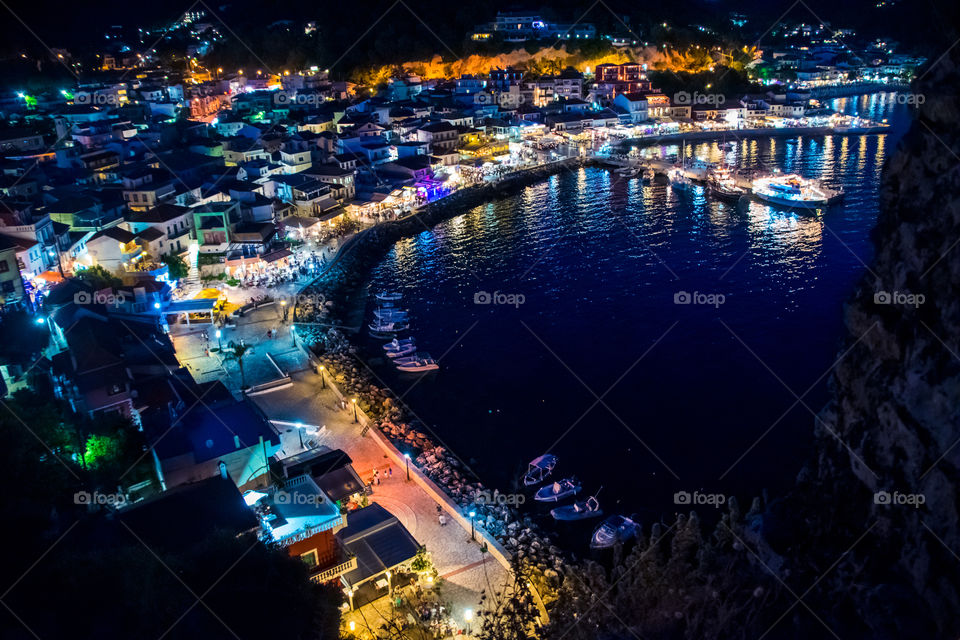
{"points": [[599, 365]]}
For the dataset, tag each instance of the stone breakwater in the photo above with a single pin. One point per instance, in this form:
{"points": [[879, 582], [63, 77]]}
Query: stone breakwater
{"points": [[325, 308]]}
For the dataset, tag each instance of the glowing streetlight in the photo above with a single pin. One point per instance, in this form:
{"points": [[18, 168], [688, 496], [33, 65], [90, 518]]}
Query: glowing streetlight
{"points": [[219, 343], [354, 401], [323, 380], [472, 530], [406, 458]]}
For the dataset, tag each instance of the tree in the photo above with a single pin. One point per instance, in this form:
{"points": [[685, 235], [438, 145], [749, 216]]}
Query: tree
{"points": [[510, 613], [178, 268], [99, 278], [237, 352]]}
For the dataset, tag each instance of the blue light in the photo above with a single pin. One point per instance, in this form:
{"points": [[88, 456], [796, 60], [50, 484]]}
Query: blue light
{"points": [[41, 320]]}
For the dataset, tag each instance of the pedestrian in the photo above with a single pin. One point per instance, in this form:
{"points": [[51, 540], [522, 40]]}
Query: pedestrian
{"points": [[442, 520], [389, 472], [206, 352], [376, 476]]}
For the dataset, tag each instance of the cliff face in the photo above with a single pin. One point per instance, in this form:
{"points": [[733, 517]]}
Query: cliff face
{"points": [[879, 506]]}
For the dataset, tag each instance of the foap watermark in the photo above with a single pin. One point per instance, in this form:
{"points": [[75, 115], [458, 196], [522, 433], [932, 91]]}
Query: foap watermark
{"points": [[306, 299], [297, 498], [896, 498], [900, 298], [497, 498], [300, 99], [99, 297], [915, 99], [503, 99], [499, 298], [697, 98], [685, 498], [697, 297], [97, 99], [99, 499]]}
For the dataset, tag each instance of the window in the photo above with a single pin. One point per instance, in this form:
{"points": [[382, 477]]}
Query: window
{"points": [[4, 267], [310, 558]]}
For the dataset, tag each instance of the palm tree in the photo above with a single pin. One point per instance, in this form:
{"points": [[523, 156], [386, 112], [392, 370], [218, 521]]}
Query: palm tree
{"points": [[237, 351]]}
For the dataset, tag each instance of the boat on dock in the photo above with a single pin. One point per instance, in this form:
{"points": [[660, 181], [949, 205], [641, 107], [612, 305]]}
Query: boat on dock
{"points": [[390, 313], [420, 363], [589, 508], [388, 296], [539, 468], [558, 490], [792, 190], [613, 530], [723, 186]]}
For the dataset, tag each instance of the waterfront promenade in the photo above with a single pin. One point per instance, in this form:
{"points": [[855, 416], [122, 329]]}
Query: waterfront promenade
{"points": [[466, 571]]}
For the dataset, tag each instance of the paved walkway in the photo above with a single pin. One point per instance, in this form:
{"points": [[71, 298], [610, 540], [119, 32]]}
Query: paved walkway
{"points": [[466, 571], [205, 364]]}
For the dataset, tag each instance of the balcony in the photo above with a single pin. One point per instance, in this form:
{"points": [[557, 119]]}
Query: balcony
{"points": [[335, 571]]}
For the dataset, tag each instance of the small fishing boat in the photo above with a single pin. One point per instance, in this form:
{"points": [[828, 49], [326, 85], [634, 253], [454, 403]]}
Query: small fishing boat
{"points": [[421, 363], [539, 468], [558, 490], [589, 508], [402, 351], [678, 180], [389, 313], [396, 344], [387, 330], [723, 185], [649, 175], [628, 172], [388, 296], [613, 530]]}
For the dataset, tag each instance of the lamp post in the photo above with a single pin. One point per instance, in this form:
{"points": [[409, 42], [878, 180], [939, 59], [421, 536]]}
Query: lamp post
{"points": [[406, 459], [467, 617], [219, 343], [323, 380], [300, 433], [283, 305], [354, 401], [473, 535]]}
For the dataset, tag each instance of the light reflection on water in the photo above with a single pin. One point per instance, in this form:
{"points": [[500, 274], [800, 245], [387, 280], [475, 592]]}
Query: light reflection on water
{"points": [[599, 261]]}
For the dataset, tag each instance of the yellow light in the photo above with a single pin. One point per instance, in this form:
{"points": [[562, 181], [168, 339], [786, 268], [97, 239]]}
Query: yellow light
{"points": [[354, 401], [353, 625], [240, 71]]}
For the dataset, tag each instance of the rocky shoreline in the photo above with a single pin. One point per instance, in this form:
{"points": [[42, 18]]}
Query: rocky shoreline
{"points": [[324, 308]]}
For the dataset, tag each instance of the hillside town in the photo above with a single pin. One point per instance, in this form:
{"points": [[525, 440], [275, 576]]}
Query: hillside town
{"points": [[160, 230]]}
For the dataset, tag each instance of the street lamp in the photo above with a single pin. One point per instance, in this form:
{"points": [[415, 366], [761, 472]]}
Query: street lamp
{"points": [[354, 401], [300, 433], [283, 305], [472, 531], [323, 380], [219, 343], [406, 458], [467, 617]]}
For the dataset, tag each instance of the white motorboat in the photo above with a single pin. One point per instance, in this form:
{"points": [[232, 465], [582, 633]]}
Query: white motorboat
{"points": [[678, 180], [421, 363], [558, 490], [539, 468], [613, 530], [396, 344], [792, 190], [388, 329], [388, 296]]}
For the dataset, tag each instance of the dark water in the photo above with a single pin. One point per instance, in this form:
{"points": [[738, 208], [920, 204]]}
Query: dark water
{"points": [[691, 397]]}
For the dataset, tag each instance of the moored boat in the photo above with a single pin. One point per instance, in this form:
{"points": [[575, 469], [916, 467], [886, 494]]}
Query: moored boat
{"points": [[420, 363], [388, 296], [558, 490], [678, 180], [589, 508], [792, 190], [723, 185], [396, 344], [613, 530], [402, 351], [539, 468]]}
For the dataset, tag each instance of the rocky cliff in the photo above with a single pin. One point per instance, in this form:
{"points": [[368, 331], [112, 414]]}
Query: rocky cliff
{"points": [[874, 522]]}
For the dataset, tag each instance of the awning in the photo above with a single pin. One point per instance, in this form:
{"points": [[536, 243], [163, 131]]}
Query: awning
{"points": [[194, 305]]}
